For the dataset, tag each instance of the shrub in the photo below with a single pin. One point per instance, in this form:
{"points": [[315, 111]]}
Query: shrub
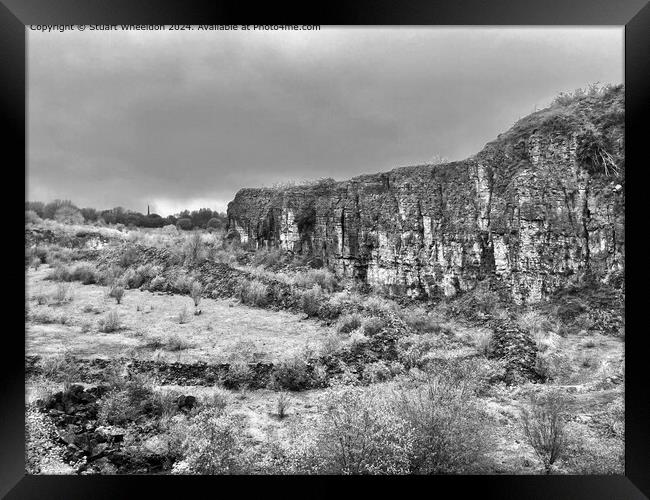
{"points": [[61, 294], [175, 342], [544, 427], [211, 444], [379, 306], [310, 300], [321, 277], [157, 283], [32, 217], [183, 316], [253, 293], [372, 326], [349, 322], [484, 343], [195, 292], [330, 345], [448, 428], [128, 257], [239, 375], [413, 349], [84, 273], [282, 404], [59, 273], [419, 321], [376, 372], [117, 292], [183, 283], [60, 367], [194, 249], [292, 374], [110, 323]]}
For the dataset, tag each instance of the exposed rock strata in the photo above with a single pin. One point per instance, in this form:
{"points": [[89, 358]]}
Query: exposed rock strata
{"points": [[536, 208]]}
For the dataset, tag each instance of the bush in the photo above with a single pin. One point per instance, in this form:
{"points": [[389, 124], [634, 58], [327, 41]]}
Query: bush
{"points": [[419, 321], [84, 273], [195, 292], [372, 326], [239, 375], [183, 283], [32, 217], [111, 323], [310, 300], [484, 344], [211, 444], [175, 342], [128, 257], [282, 404], [253, 293], [376, 372], [117, 292], [157, 284], [61, 294], [349, 322], [59, 273], [544, 427], [292, 374], [183, 316], [324, 278], [330, 345], [194, 249]]}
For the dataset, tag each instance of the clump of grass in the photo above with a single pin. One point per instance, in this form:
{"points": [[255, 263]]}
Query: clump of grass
{"points": [[41, 299], [183, 316], [175, 342], [61, 294], [484, 343], [110, 323], [196, 291], [310, 300], [349, 322], [372, 326], [330, 345], [252, 292], [84, 273], [282, 404], [117, 292]]}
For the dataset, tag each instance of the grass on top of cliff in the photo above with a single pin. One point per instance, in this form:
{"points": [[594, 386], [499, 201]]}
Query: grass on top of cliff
{"points": [[594, 107]]}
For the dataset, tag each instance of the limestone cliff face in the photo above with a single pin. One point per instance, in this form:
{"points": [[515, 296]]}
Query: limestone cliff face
{"points": [[534, 209]]}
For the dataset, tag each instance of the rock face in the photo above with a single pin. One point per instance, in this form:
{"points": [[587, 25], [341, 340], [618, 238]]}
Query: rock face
{"points": [[536, 208]]}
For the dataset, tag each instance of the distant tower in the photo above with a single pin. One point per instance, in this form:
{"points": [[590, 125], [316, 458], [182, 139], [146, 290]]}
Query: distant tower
{"points": [[147, 209]]}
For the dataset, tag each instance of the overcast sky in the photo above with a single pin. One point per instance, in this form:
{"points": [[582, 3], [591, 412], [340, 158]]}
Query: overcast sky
{"points": [[185, 119]]}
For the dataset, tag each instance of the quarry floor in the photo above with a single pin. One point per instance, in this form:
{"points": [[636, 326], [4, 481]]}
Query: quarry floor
{"points": [[227, 331]]}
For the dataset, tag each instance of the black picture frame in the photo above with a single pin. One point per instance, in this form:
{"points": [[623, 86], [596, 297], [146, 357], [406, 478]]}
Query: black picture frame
{"points": [[634, 14]]}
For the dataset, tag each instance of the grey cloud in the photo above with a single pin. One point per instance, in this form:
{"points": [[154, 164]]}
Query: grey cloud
{"points": [[118, 119]]}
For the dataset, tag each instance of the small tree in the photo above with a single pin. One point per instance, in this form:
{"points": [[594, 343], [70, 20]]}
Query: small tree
{"points": [[543, 425]]}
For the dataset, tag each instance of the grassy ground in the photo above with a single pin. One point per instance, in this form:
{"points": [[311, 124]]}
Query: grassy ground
{"points": [[224, 330]]}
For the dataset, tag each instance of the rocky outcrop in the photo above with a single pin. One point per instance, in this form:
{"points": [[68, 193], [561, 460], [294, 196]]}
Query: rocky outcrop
{"points": [[535, 209]]}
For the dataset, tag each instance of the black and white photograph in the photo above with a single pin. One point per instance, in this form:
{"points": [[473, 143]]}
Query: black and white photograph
{"points": [[324, 250]]}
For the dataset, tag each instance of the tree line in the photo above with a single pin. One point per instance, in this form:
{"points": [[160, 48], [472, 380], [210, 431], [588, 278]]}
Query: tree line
{"points": [[67, 212]]}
